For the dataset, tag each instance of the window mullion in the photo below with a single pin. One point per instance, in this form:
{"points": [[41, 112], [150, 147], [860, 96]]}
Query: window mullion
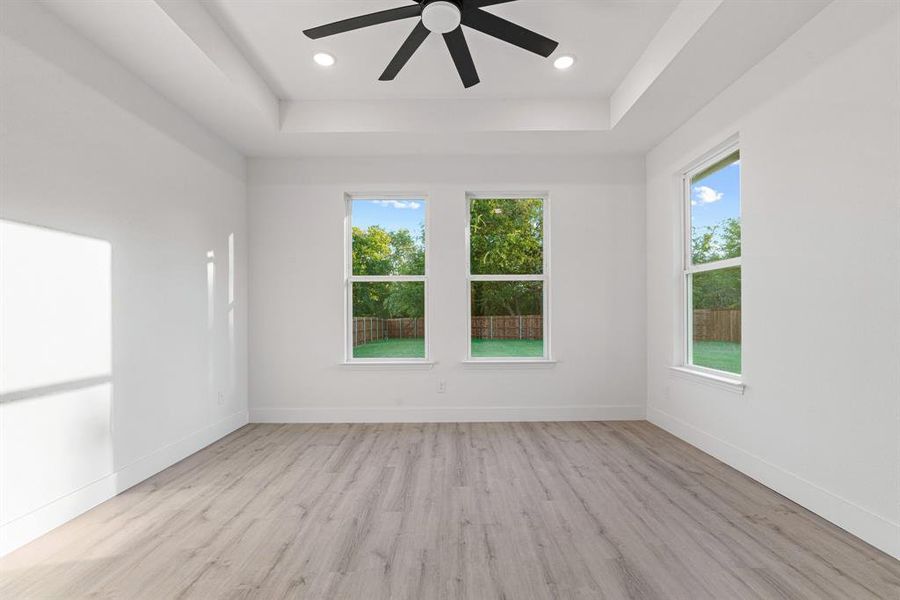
{"points": [[387, 278], [715, 265], [507, 278]]}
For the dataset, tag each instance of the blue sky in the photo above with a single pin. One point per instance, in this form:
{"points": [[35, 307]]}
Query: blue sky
{"points": [[716, 197], [389, 214]]}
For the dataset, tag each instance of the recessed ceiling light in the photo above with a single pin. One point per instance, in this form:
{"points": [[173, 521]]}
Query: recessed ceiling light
{"points": [[564, 62], [323, 59]]}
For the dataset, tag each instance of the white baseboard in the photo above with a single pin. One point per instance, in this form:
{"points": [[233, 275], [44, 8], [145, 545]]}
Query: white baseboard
{"points": [[26, 528], [466, 414], [864, 524]]}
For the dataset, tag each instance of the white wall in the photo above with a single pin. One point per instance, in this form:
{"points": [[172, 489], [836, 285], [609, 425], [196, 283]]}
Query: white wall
{"points": [[819, 124], [127, 195], [297, 293]]}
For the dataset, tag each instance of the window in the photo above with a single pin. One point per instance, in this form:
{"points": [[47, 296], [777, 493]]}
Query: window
{"points": [[508, 278], [386, 279], [712, 257]]}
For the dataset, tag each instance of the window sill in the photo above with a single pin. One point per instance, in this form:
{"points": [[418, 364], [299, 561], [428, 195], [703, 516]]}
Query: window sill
{"points": [[722, 382], [501, 363], [390, 365]]}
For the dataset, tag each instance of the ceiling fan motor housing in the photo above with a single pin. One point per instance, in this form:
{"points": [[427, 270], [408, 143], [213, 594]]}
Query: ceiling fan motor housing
{"points": [[441, 16]]}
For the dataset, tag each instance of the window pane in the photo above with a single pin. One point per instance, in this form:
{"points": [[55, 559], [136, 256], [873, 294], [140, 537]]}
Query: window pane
{"points": [[388, 320], [716, 319], [507, 237], [507, 319], [716, 211], [388, 237]]}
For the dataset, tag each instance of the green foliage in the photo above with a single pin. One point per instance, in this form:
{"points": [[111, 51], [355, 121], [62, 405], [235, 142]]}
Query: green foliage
{"points": [[380, 252], [507, 298], [404, 300], [408, 252], [730, 245], [720, 288], [372, 251], [507, 237], [716, 242]]}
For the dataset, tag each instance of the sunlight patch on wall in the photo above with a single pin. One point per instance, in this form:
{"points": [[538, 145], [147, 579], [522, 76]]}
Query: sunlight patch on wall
{"points": [[55, 307], [56, 388]]}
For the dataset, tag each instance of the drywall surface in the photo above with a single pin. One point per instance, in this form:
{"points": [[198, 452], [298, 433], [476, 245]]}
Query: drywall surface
{"points": [[297, 288], [122, 351], [819, 129]]}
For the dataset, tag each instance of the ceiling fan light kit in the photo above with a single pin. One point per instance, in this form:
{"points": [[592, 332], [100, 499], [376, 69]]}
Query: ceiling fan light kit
{"points": [[444, 17], [441, 16]]}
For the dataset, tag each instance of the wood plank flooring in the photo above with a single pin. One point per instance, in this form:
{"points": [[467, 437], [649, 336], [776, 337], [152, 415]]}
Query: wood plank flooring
{"points": [[473, 511]]}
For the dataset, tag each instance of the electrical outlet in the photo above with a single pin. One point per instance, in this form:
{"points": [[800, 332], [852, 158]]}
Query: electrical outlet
{"points": [[442, 386]]}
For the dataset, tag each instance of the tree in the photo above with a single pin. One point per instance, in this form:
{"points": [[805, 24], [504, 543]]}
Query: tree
{"points": [[408, 252], [380, 252], [506, 237], [371, 251], [731, 238], [716, 242], [720, 288], [507, 298]]}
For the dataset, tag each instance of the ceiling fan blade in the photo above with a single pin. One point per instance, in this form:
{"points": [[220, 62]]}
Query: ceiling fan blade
{"points": [[481, 3], [459, 50], [377, 18], [405, 52], [508, 31]]}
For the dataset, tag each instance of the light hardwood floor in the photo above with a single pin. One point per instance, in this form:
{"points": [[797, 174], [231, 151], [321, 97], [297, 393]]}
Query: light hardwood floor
{"points": [[513, 511]]}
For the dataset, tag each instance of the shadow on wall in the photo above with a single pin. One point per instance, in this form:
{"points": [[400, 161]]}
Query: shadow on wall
{"points": [[56, 386], [31, 26], [57, 408]]}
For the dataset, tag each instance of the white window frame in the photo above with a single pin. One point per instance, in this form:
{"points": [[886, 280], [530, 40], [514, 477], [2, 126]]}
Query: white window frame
{"points": [[689, 269], [350, 278], [544, 277]]}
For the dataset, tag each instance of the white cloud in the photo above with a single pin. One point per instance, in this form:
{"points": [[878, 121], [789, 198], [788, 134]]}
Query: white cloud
{"points": [[410, 204], [706, 195]]}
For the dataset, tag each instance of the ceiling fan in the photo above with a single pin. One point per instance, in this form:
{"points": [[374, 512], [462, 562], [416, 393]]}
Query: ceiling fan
{"points": [[444, 17]]}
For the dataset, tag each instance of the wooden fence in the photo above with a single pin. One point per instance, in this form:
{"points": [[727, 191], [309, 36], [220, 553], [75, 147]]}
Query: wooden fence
{"points": [[525, 327], [370, 329], [717, 325], [522, 327], [709, 325]]}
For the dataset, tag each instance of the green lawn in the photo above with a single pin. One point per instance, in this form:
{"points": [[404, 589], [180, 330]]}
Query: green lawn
{"points": [[724, 356], [401, 348], [507, 348], [415, 348]]}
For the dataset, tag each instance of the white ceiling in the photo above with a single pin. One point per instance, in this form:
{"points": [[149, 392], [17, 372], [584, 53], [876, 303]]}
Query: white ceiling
{"points": [[606, 36], [243, 69]]}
